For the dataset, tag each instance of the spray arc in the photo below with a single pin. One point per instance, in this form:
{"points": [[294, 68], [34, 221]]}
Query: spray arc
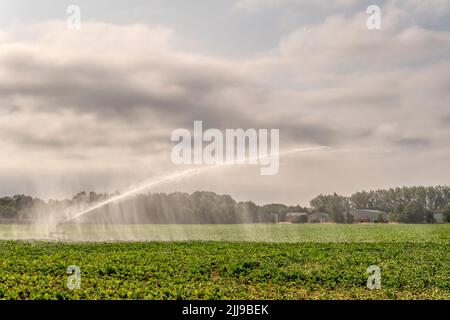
{"points": [[58, 233]]}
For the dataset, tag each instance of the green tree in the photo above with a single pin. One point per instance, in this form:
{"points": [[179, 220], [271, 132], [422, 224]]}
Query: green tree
{"points": [[380, 218], [413, 213], [335, 205], [446, 214], [349, 218]]}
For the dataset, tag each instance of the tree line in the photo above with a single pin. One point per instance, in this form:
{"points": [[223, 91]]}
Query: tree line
{"points": [[197, 208], [404, 205]]}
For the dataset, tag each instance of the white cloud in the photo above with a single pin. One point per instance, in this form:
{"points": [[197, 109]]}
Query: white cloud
{"points": [[253, 4]]}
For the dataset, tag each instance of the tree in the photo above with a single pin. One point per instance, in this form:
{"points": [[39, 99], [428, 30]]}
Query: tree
{"points": [[413, 213], [335, 205], [360, 200], [8, 212], [337, 213], [349, 218], [429, 216], [432, 198], [446, 214], [380, 218], [300, 219]]}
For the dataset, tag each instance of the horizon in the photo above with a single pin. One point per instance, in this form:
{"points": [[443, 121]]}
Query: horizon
{"points": [[307, 205]]}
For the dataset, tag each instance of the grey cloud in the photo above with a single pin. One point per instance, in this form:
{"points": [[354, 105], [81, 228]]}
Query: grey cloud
{"points": [[91, 115], [90, 87], [414, 142], [107, 90]]}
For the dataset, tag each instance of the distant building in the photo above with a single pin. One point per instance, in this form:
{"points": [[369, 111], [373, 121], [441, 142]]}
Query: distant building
{"points": [[319, 217], [438, 217], [296, 217], [365, 215]]}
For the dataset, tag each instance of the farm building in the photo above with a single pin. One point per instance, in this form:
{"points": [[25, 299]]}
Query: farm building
{"points": [[365, 215], [296, 217], [319, 217], [438, 217]]}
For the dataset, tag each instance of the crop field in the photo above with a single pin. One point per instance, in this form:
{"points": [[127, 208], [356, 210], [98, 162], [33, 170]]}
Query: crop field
{"points": [[232, 262], [239, 232]]}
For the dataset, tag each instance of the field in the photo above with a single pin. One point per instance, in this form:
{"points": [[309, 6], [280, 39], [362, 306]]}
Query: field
{"points": [[231, 262]]}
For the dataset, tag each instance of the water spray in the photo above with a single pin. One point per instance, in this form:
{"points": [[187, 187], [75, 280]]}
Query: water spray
{"points": [[59, 234]]}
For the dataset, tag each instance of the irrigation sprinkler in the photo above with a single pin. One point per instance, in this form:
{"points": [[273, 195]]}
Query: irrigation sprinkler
{"points": [[58, 234]]}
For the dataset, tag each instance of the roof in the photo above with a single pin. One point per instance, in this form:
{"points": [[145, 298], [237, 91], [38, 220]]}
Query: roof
{"points": [[368, 211], [368, 214], [319, 217], [438, 217], [319, 214], [296, 214]]}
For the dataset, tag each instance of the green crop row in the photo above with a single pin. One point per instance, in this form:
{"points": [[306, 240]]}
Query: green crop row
{"points": [[224, 270]]}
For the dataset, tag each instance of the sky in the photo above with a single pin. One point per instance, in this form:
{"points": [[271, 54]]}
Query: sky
{"points": [[94, 108]]}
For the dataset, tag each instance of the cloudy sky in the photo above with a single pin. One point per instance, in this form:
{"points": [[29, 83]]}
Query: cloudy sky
{"points": [[94, 108]]}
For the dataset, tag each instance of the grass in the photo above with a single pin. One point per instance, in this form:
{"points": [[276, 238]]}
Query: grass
{"points": [[307, 262]]}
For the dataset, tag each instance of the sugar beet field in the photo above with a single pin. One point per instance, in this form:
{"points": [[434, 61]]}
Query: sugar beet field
{"points": [[228, 262]]}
